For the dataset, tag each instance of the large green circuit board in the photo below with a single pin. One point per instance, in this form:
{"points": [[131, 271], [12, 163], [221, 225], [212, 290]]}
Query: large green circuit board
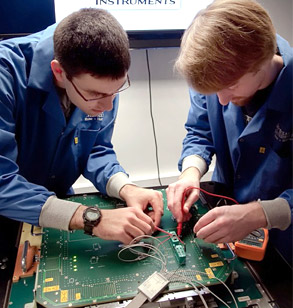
{"points": [[77, 270]]}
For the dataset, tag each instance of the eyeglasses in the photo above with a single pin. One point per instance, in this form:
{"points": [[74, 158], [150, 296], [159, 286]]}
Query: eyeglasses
{"points": [[125, 86]]}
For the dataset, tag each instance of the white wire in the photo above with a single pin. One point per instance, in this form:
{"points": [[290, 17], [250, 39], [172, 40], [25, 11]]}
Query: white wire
{"points": [[225, 285], [222, 282], [164, 261], [157, 254], [142, 255], [184, 279]]}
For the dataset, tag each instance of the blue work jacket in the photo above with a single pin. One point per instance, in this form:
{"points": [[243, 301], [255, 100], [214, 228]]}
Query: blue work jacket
{"points": [[41, 154], [254, 160]]}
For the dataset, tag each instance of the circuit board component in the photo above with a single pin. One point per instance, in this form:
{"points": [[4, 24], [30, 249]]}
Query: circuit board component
{"points": [[178, 248]]}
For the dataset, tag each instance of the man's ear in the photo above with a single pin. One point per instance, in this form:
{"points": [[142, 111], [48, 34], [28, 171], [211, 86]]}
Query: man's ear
{"points": [[58, 71]]}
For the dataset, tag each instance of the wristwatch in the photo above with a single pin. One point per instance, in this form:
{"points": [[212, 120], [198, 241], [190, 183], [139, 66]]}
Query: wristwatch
{"points": [[91, 217]]}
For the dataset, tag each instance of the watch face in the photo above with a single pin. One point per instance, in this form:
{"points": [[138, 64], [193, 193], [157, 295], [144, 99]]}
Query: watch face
{"points": [[92, 215]]}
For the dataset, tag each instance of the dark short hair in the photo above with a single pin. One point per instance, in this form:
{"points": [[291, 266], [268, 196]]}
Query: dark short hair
{"points": [[92, 41]]}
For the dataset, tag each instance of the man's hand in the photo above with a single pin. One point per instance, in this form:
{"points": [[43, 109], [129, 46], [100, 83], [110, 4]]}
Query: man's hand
{"points": [[122, 224], [126, 223], [143, 198], [189, 178], [227, 224]]}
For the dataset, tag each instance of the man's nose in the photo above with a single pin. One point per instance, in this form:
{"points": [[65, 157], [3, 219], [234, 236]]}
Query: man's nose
{"points": [[107, 103], [224, 97]]}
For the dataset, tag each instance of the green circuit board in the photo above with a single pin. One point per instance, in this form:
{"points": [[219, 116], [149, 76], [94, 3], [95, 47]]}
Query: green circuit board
{"points": [[78, 270]]}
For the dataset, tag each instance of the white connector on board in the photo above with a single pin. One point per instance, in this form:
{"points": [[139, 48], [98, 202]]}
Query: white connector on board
{"points": [[149, 290]]}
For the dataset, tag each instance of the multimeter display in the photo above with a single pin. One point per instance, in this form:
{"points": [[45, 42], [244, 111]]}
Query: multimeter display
{"points": [[253, 246]]}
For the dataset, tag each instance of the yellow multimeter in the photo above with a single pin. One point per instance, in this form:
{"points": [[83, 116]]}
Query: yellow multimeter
{"points": [[253, 246]]}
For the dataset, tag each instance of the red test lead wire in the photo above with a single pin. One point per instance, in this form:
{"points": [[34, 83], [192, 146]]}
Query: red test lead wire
{"points": [[179, 229], [179, 225]]}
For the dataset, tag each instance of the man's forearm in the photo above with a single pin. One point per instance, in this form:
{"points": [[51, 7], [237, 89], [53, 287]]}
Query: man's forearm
{"points": [[57, 213]]}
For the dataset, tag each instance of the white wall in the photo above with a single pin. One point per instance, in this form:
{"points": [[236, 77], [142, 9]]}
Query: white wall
{"points": [[133, 137], [281, 12]]}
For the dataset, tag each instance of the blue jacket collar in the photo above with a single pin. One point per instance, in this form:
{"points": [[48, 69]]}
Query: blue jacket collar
{"points": [[280, 96], [41, 76]]}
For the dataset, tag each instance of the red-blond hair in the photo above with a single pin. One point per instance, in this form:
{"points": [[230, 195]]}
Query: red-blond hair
{"points": [[224, 42]]}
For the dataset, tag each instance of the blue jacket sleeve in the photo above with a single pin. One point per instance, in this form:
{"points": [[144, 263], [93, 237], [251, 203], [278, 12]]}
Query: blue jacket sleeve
{"points": [[19, 199], [198, 140]]}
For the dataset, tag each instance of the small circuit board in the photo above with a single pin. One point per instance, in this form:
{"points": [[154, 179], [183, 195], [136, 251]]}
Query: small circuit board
{"points": [[178, 248]]}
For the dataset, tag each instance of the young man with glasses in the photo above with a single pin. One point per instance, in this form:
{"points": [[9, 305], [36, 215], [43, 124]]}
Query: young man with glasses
{"points": [[58, 103], [240, 74]]}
